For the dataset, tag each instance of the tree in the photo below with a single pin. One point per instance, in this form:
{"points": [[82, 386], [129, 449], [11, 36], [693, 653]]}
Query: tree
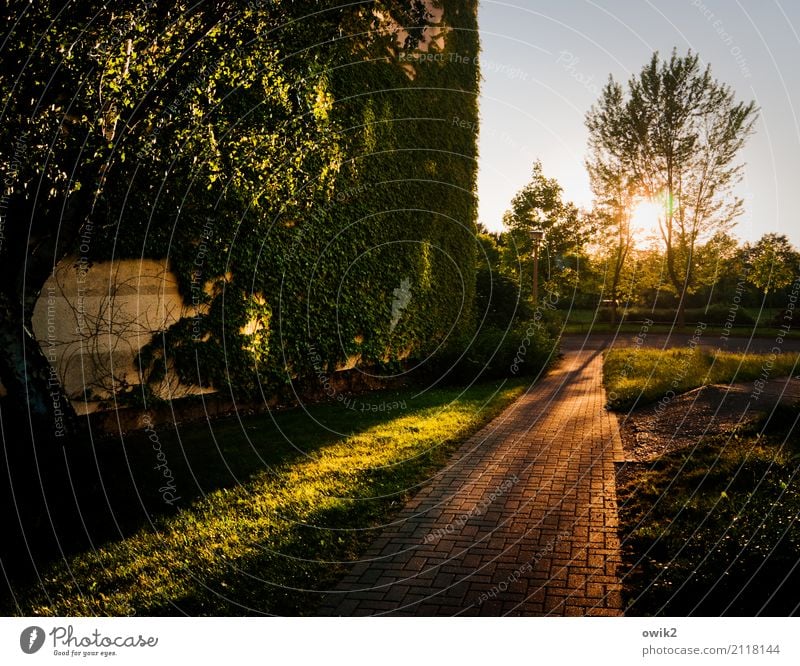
{"points": [[720, 269], [677, 132], [614, 194], [539, 207], [488, 248], [772, 263], [498, 297], [645, 281]]}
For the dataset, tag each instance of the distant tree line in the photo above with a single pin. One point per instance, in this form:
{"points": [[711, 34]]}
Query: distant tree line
{"points": [[672, 137]]}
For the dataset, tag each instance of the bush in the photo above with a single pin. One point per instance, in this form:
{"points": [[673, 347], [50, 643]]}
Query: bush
{"points": [[498, 300], [495, 353]]}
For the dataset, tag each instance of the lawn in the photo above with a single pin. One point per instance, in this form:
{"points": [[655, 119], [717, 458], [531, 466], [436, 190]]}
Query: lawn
{"points": [[589, 321], [713, 530], [638, 376], [268, 505]]}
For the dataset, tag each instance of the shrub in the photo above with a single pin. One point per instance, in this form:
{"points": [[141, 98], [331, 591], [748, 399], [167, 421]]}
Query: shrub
{"points": [[498, 300], [495, 353]]}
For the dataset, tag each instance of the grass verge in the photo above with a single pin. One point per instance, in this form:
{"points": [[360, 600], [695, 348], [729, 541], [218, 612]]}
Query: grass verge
{"points": [[271, 505], [636, 376], [633, 328], [713, 530]]}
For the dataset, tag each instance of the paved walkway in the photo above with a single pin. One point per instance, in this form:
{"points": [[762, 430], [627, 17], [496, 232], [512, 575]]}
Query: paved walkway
{"points": [[522, 522]]}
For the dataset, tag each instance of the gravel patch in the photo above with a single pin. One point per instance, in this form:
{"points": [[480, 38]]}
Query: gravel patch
{"points": [[667, 426]]}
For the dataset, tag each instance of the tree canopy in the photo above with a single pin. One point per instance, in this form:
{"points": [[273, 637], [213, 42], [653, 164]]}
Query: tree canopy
{"points": [[676, 132]]}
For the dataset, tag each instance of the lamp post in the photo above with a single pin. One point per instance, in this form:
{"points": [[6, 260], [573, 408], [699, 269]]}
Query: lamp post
{"points": [[536, 237]]}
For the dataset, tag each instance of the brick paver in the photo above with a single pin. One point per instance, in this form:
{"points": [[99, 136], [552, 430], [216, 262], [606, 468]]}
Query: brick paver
{"points": [[522, 522]]}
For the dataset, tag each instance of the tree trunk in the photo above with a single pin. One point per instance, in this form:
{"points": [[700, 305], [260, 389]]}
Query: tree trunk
{"points": [[681, 315], [681, 286]]}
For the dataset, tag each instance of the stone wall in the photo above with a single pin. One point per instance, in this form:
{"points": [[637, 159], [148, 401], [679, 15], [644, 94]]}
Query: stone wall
{"points": [[91, 321]]}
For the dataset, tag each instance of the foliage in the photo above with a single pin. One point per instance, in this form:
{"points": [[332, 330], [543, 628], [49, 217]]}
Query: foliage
{"points": [[713, 530], [263, 533], [539, 206], [523, 350], [288, 158], [721, 271], [615, 192], [499, 301], [773, 263], [724, 281], [274, 158], [312, 270], [129, 114], [676, 133], [489, 250]]}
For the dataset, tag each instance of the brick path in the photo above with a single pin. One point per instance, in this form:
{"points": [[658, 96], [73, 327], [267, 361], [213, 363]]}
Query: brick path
{"points": [[522, 522]]}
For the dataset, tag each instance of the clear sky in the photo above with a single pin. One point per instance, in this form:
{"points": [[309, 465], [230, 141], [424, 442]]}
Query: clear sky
{"points": [[544, 62]]}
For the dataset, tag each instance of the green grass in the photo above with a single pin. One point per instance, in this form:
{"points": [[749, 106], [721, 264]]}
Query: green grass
{"points": [[575, 316], [307, 498], [582, 328], [637, 376], [713, 530], [580, 322]]}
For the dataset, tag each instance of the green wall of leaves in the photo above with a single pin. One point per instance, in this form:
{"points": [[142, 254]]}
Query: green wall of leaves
{"points": [[318, 208]]}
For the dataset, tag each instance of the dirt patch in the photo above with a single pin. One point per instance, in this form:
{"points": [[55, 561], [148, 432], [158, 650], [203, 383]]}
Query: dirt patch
{"points": [[652, 431]]}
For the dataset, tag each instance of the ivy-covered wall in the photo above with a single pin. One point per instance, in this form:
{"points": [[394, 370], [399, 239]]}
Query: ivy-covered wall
{"points": [[321, 210]]}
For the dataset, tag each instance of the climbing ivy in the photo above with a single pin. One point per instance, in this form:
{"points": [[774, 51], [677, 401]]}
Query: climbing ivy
{"points": [[311, 185]]}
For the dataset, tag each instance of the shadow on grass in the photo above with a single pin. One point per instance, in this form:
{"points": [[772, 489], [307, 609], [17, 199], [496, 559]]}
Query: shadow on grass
{"points": [[714, 530], [265, 504], [106, 488]]}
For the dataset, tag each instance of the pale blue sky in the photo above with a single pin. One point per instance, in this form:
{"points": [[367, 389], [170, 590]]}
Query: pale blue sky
{"points": [[544, 62]]}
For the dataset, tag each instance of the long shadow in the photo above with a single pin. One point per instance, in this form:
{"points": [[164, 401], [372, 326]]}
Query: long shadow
{"points": [[232, 585], [73, 499]]}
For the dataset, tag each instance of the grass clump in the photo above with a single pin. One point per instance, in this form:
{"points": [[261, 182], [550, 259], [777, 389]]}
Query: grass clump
{"points": [[713, 530], [636, 377], [280, 499]]}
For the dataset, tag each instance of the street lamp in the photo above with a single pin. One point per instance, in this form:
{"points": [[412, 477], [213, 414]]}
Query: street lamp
{"points": [[536, 237]]}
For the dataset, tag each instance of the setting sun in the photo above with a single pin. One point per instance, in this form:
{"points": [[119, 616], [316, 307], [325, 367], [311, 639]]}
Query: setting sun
{"points": [[645, 217]]}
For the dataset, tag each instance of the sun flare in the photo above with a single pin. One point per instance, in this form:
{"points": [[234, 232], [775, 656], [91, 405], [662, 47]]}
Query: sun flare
{"points": [[645, 217]]}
